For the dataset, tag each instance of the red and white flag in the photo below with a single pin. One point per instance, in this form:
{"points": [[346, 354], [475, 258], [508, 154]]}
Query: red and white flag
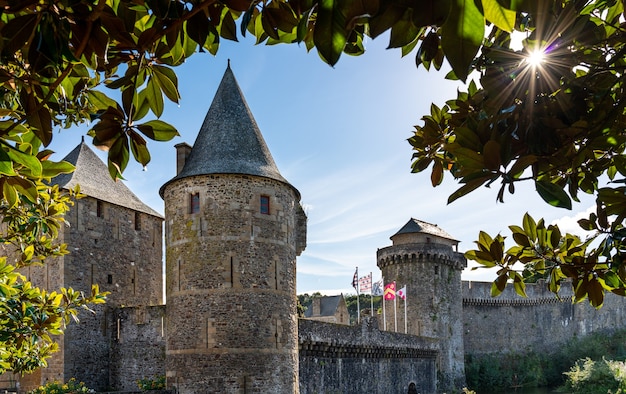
{"points": [[402, 293], [365, 284]]}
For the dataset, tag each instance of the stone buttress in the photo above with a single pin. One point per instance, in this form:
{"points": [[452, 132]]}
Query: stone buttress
{"points": [[234, 227]]}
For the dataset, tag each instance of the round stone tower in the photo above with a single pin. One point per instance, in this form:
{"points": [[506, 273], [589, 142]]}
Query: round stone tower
{"points": [[424, 258], [234, 227]]}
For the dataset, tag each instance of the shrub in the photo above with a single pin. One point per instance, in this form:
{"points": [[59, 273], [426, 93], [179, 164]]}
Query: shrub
{"points": [[156, 383], [589, 377], [71, 387]]}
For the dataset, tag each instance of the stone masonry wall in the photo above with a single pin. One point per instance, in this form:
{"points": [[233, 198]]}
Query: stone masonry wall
{"points": [[503, 323], [231, 285], [335, 358], [137, 345], [120, 250]]}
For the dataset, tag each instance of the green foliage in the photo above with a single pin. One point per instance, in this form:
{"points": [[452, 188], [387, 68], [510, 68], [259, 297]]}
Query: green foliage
{"points": [[501, 372], [364, 302], [71, 387], [156, 383], [588, 377], [559, 124]]}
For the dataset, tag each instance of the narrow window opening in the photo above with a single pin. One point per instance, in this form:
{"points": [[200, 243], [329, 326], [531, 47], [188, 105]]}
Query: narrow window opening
{"points": [[194, 203], [134, 281], [99, 209], [110, 279], [436, 270], [232, 279], [178, 274], [427, 240], [265, 205], [276, 273], [137, 221]]}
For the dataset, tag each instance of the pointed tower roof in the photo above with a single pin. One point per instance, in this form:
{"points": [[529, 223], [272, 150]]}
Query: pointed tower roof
{"points": [[417, 226], [93, 177], [229, 141]]}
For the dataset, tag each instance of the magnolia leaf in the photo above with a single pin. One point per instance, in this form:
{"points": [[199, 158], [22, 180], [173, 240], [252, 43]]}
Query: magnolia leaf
{"points": [[167, 81], [519, 285], [139, 148], [467, 188], [503, 18], [158, 130], [461, 36], [6, 164], [403, 32], [330, 35], [118, 157], [100, 100], [498, 285], [530, 226], [553, 194], [31, 162], [436, 176], [491, 155], [50, 169], [9, 194], [153, 96], [24, 187]]}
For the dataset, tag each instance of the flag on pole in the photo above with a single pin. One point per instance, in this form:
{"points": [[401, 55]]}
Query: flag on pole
{"points": [[365, 283], [377, 288], [402, 293], [355, 279], [390, 291]]}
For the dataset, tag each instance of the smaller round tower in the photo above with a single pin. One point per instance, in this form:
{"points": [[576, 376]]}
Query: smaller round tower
{"points": [[425, 259]]}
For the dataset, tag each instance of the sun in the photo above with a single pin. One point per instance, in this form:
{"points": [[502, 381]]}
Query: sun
{"points": [[536, 58]]}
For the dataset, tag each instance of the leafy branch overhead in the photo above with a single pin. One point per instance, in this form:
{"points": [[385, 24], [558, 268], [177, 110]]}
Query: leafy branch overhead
{"points": [[545, 105], [112, 63]]}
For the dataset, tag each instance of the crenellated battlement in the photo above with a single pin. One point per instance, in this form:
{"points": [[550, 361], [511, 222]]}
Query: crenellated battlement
{"points": [[418, 253]]}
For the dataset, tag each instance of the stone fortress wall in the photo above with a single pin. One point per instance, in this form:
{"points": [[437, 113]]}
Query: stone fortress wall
{"points": [[541, 322], [335, 358]]}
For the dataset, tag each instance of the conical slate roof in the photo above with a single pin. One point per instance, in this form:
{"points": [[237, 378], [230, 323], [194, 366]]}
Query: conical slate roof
{"points": [[229, 141], [93, 177], [418, 226]]}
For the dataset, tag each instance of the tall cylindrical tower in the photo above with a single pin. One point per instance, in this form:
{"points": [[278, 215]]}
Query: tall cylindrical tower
{"points": [[234, 227], [423, 258]]}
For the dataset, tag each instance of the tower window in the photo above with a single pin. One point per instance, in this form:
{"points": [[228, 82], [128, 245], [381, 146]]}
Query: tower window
{"points": [[137, 221], [99, 209], [265, 205], [194, 203], [110, 279]]}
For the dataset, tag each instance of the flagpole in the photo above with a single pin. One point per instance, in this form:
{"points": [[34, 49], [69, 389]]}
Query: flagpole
{"points": [[406, 326], [358, 305], [395, 315], [384, 315], [371, 295]]}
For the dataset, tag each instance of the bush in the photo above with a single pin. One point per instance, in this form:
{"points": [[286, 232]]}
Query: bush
{"points": [[156, 383], [590, 377], [71, 387], [497, 372]]}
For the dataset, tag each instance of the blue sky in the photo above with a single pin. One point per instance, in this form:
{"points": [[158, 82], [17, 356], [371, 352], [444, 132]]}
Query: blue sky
{"points": [[339, 136]]}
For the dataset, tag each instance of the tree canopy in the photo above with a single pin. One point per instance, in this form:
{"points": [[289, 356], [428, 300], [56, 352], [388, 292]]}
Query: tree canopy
{"points": [[557, 123]]}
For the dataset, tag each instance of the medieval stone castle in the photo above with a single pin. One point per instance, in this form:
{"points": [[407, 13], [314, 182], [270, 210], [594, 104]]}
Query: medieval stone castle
{"points": [[233, 229]]}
